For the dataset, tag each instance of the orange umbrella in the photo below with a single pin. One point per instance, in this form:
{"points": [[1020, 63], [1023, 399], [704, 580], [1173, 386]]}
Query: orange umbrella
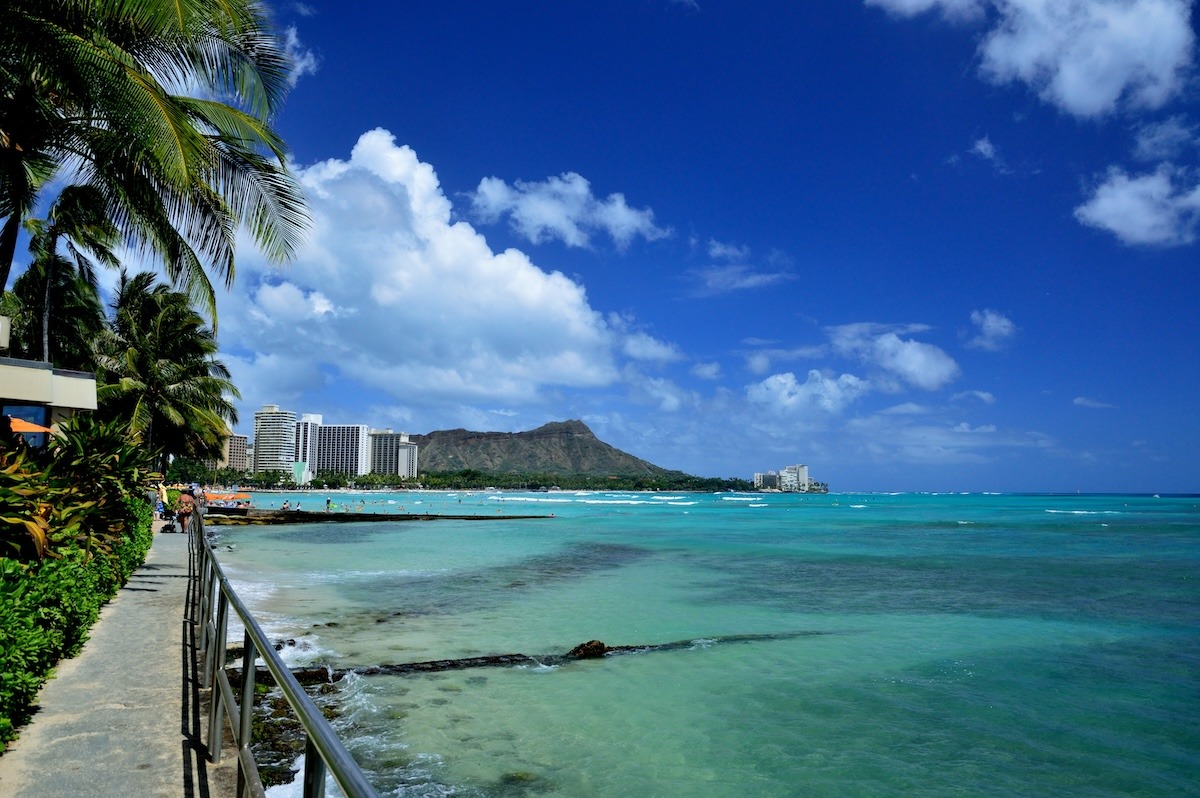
{"points": [[21, 425], [225, 497]]}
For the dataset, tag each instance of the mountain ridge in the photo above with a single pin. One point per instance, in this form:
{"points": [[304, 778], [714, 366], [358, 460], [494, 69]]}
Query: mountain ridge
{"points": [[559, 447]]}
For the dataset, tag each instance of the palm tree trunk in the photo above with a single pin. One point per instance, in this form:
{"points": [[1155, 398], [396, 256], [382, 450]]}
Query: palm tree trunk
{"points": [[46, 315], [8, 247]]}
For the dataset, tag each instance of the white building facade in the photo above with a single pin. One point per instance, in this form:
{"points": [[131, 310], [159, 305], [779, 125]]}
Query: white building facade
{"points": [[344, 449], [307, 440], [274, 439]]}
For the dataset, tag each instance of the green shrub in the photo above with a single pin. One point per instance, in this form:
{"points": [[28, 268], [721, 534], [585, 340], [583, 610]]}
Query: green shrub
{"points": [[47, 607]]}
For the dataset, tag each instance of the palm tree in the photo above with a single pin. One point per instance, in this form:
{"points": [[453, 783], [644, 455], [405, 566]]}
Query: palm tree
{"points": [[74, 306], [78, 217], [164, 108], [159, 374]]}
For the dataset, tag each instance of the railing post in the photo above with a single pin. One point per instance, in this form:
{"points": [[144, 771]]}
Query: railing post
{"points": [[246, 714], [216, 699], [314, 771]]}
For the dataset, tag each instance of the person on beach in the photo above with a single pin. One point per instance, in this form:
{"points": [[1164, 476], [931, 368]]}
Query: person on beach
{"points": [[183, 512], [287, 505], [328, 504]]}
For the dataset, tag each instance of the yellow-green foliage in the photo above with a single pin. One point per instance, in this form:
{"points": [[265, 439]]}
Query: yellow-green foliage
{"points": [[73, 527]]}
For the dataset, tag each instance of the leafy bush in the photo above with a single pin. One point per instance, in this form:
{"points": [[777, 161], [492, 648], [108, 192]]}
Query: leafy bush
{"points": [[73, 527], [47, 607]]}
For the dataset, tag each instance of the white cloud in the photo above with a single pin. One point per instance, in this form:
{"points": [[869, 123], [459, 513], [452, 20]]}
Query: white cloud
{"points": [[1165, 140], [984, 149], [727, 252], [919, 364], [707, 371], [1095, 404], [392, 300], [783, 393], [984, 396], [1088, 58], [758, 362], [1159, 208], [304, 9], [563, 208], [304, 61], [641, 346], [995, 330], [715, 280], [953, 9]]}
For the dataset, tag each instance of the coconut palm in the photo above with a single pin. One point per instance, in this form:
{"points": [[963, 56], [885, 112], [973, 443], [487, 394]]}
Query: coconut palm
{"points": [[159, 375], [164, 108], [78, 219]]}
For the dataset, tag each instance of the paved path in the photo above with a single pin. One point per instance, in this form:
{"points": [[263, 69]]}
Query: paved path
{"points": [[123, 718]]}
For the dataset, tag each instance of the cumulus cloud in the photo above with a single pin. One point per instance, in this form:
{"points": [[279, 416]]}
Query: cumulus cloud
{"points": [[1160, 208], [304, 61], [642, 346], [1087, 58], [563, 208], [1094, 404], [707, 371], [785, 394], [389, 294], [994, 328], [919, 364]]}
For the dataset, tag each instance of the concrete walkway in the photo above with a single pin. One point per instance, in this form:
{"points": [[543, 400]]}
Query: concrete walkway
{"points": [[123, 718]]}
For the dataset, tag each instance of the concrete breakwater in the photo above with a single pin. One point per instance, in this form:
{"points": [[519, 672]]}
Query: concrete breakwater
{"points": [[245, 516]]}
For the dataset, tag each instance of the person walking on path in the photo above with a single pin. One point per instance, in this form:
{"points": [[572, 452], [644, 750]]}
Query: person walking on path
{"points": [[187, 505]]}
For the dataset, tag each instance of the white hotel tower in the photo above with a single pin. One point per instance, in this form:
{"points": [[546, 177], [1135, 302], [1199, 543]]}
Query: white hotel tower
{"points": [[274, 439]]}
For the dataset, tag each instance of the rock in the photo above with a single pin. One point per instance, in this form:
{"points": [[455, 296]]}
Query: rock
{"points": [[592, 649]]}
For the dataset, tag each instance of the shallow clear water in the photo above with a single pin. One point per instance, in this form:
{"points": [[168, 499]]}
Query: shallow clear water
{"points": [[917, 644]]}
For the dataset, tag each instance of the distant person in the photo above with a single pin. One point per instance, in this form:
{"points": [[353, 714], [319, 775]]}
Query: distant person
{"points": [[328, 505], [287, 505], [297, 508], [183, 513]]}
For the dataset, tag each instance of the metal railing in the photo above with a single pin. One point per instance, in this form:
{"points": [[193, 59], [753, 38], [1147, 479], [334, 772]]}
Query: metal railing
{"points": [[212, 597]]}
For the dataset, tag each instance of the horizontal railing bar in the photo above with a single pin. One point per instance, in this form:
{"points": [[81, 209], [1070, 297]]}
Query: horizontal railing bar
{"points": [[341, 765]]}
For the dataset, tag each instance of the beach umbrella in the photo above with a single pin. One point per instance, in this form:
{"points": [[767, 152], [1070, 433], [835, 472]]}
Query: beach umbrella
{"points": [[21, 425]]}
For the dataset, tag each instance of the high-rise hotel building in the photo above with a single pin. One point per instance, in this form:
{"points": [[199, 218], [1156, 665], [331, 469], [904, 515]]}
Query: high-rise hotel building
{"points": [[344, 448], [274, 439], [393, 453]]}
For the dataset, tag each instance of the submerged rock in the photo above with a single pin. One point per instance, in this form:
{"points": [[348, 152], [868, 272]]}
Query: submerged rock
{"points": [[592, 649]]}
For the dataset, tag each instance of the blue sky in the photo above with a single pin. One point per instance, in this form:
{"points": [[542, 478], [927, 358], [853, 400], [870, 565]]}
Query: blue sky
{"points": [[915, 244]]}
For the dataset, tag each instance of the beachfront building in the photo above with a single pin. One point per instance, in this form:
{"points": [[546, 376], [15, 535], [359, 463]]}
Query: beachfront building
{"points": [[344, 448], [236, 452], [233, 454], [274, 439], [794, 479], [767, 481], [393, 453], [307, 440]]}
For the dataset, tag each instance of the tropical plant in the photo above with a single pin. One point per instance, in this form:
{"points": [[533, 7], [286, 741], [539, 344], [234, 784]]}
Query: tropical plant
{"points": [[103, 467], [79, 219], [163, 107], [158, 373]]}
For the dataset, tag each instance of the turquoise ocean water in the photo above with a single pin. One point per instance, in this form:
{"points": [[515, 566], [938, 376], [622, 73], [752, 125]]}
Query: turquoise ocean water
{"points": [[929, 645]]}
